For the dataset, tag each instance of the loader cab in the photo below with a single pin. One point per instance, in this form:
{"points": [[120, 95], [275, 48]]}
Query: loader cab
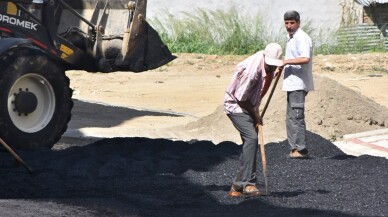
{"points": [[11, 8]]}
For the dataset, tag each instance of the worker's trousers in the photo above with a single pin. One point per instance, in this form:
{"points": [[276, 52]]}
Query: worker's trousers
{"points": [[295, 122], [248, 158]]}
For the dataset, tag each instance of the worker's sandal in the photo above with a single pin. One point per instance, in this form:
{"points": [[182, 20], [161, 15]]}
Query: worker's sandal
{"points": [[295, 154], [234, 193], [251, 190]]}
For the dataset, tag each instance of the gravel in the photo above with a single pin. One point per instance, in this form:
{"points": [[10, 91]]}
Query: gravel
{"points": [[160, 177]]}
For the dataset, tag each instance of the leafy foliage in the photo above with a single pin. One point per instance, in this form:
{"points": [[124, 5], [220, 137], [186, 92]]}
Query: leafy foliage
{"points": [[227, 32]]}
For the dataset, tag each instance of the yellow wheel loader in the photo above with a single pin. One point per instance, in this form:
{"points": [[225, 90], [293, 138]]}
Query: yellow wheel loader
{"points": [[41, 39]]}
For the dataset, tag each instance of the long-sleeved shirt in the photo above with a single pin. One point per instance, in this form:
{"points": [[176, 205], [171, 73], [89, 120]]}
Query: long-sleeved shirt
{"points": [[247, 83]]}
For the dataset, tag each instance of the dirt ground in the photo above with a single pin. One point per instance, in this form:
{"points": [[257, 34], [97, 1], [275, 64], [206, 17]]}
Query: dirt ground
{"points": [[183, 100], [150, 171]]}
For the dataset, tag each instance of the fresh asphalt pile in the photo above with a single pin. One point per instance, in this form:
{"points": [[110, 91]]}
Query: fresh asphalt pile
{"points": [[159, 177]]}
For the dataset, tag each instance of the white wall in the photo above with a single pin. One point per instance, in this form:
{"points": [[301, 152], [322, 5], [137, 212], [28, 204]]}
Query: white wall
{"points": [[324, 14]]}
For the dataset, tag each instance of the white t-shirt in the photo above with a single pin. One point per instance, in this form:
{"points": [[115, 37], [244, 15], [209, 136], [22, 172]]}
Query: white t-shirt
{"points": [[299, 77]]}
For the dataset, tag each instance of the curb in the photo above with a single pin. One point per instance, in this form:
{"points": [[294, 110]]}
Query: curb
{"points": [[374, 143]]}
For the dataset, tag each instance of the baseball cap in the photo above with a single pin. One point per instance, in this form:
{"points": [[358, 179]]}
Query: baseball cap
{"points": [[273, 54]]}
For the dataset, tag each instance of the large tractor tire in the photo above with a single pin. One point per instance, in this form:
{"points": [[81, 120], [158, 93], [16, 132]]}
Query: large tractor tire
{"points": [[35, 99]]}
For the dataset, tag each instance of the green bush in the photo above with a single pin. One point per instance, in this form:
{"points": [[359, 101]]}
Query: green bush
{"points": [[227, 32], [210, 32]]}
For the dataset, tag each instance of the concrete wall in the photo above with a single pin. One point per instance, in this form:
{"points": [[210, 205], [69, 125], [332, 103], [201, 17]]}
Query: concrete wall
{"points": [[323, 14]]}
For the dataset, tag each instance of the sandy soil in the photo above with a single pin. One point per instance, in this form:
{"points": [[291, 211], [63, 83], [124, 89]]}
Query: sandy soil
{"points": [[182, 99]]}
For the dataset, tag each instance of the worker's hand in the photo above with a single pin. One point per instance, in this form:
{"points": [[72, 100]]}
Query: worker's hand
{"points": [[259, 121], [279, 71]]}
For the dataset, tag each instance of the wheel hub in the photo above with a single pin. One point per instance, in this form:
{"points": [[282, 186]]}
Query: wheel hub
{"points": [[25, 102]]}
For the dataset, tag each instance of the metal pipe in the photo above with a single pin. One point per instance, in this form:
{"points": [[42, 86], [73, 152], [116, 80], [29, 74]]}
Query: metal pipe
{"points": [[78, 14]]}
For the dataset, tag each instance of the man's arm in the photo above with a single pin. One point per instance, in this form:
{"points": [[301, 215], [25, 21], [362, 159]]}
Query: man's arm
{"points": [[296, 61], [246, 105]]}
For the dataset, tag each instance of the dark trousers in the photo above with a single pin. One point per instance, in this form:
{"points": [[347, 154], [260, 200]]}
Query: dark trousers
{"points": [[295, 122], [248, 158]]}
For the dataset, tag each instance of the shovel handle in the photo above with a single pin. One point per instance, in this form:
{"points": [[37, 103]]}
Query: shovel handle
{"points": [[272, 91], [9, 149], [261, 137], [263, 158]]}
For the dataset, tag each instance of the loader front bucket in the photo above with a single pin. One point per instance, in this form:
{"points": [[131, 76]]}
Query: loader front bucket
{"points": [[124, 41], [142, 47]]}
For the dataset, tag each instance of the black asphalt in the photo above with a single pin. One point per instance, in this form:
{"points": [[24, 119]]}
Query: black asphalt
{"points": [[158, 177]]}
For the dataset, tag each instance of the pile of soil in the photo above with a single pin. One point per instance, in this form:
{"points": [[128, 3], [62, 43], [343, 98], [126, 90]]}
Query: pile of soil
{"points": [[332, 110]]}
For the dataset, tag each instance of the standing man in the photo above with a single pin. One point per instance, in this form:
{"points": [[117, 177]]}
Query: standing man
{"points": [[298, 81], [251, 80]]}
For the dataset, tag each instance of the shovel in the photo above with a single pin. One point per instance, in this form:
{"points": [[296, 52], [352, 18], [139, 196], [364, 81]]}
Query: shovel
{"points": [[261, 139], [263, 159]]}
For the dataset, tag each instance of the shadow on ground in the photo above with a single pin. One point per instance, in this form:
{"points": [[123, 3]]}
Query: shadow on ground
{"points": [[158, 177], [105, 116]]}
